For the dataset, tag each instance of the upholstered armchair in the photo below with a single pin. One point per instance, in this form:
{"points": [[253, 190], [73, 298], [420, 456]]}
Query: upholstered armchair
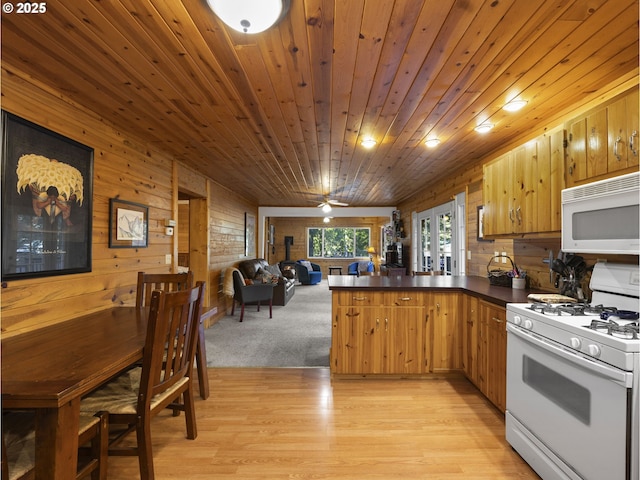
{"points": [[356, 268], [251, 294], [308, 273]]}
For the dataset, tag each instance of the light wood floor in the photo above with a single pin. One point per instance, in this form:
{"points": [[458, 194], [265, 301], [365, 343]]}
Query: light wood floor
{"points": [[295, 423]]}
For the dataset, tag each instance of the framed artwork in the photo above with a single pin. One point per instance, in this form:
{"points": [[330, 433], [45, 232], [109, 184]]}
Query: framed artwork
{"points": [[47, 183], [249, 235], [128, 224], [480, 234]]}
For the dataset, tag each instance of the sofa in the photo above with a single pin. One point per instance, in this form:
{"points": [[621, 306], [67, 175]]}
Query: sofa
{"points": [[308, 273], [283, 291]]}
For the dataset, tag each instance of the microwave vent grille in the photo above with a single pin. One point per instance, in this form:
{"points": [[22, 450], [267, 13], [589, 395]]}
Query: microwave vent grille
{"points": [[623, 183]]}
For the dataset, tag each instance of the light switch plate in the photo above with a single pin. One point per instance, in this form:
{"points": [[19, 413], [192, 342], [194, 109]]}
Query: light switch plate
{"points": [[495, 257], [504, 257]]}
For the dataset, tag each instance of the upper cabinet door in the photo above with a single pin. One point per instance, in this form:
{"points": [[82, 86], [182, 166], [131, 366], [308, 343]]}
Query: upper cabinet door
{"points": [[623, 129], [522, 187], [604, 143]]}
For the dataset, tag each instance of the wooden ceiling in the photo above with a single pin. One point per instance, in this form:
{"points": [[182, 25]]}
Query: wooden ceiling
{"points": [[280, 115]]}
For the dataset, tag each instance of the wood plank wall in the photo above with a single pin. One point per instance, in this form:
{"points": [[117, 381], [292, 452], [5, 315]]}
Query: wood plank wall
{"points": [[130, 169], [297, 228]]}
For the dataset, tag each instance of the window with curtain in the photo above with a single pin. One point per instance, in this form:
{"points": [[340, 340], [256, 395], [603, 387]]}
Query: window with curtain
{"points": [[338, 242]]}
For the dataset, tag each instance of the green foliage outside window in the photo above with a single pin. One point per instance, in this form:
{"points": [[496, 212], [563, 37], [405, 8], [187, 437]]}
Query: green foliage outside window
{"points": [[338, 242]]}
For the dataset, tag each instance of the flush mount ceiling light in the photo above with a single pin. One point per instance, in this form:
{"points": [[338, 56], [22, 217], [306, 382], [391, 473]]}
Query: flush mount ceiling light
{"points": [[514, 105], [327, 219], [484, 127], [368, 143], [250, 16], [432, 142]]}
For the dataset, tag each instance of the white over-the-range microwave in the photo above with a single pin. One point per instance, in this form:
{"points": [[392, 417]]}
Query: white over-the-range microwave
{"points": [[602, 216]]}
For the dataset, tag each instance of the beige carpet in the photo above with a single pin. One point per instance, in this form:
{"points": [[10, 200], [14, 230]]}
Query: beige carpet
{"points": [[298, 335]]}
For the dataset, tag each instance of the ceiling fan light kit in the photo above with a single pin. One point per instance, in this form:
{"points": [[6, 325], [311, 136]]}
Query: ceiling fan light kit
{"points": [[250, 16]]}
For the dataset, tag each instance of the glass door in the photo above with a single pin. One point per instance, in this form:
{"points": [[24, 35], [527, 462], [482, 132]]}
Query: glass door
{"points": [[437, 249], [443, 216], [424, 247]]}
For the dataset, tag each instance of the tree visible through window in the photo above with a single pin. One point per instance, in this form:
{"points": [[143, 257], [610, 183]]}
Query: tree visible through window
{"points": [[338, 242]]}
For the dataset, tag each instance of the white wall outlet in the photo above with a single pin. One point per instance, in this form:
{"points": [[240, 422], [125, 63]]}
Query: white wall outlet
{"points": [[167, 259], [495, 257], [504, 257], [468, 254]]}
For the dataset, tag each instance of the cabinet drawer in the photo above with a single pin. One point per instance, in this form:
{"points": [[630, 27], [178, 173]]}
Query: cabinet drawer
{"points": [[358, 298], [404, 299]]}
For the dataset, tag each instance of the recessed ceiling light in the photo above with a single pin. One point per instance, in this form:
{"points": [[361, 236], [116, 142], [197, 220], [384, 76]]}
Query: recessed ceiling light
{"points": [[514, 105], [432, 142], [484, 127], [368, 143]]}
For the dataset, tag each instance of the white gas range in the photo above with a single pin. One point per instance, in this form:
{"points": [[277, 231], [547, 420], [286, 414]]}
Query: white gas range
{"points": [[573, 381]]}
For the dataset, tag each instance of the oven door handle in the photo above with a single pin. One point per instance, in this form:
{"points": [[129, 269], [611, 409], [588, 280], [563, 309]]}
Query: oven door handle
{"points": [[615, 375]]}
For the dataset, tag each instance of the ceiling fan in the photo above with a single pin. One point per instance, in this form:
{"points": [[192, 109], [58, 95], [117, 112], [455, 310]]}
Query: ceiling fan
{"points": [[329, 203]]}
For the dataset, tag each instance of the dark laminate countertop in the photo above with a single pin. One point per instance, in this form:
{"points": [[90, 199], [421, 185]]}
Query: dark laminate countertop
{"points": [[478, 286]]}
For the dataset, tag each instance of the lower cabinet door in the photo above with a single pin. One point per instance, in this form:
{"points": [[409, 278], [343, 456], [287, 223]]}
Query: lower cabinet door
{"points": [[405, 341], [357, 341], [378, 340]]}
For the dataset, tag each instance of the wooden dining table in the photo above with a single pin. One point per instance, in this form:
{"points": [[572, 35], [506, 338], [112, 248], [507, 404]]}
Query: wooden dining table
{"points": [[50, 369]]}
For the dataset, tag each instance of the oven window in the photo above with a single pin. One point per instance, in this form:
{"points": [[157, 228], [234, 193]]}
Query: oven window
{"points": [[564, 392]]}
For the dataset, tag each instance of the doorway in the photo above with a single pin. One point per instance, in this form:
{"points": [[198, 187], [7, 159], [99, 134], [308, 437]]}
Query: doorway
{"points": [[193, 237], [441, 233]]}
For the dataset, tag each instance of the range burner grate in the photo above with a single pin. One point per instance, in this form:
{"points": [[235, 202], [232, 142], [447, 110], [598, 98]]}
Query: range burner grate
{"points": [[629, 330], [573, 309]]}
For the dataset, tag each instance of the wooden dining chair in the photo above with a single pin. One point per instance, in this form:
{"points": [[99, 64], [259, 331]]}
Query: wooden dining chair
{"points": [[136, 396], [19, 445], [171, 282]]}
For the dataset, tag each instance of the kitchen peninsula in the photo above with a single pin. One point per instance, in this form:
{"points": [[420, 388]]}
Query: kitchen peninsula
{"points": [[420, 326]]}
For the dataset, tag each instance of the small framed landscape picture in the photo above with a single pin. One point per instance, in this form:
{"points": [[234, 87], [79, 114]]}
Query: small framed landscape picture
{"points": [[128, 224]]}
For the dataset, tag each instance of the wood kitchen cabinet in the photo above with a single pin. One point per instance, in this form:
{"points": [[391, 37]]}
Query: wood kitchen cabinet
{"points": [[470, 333], [444, 311], [379, 333], [623, 129], [602, 142], [521, 189], [492, 353]]}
